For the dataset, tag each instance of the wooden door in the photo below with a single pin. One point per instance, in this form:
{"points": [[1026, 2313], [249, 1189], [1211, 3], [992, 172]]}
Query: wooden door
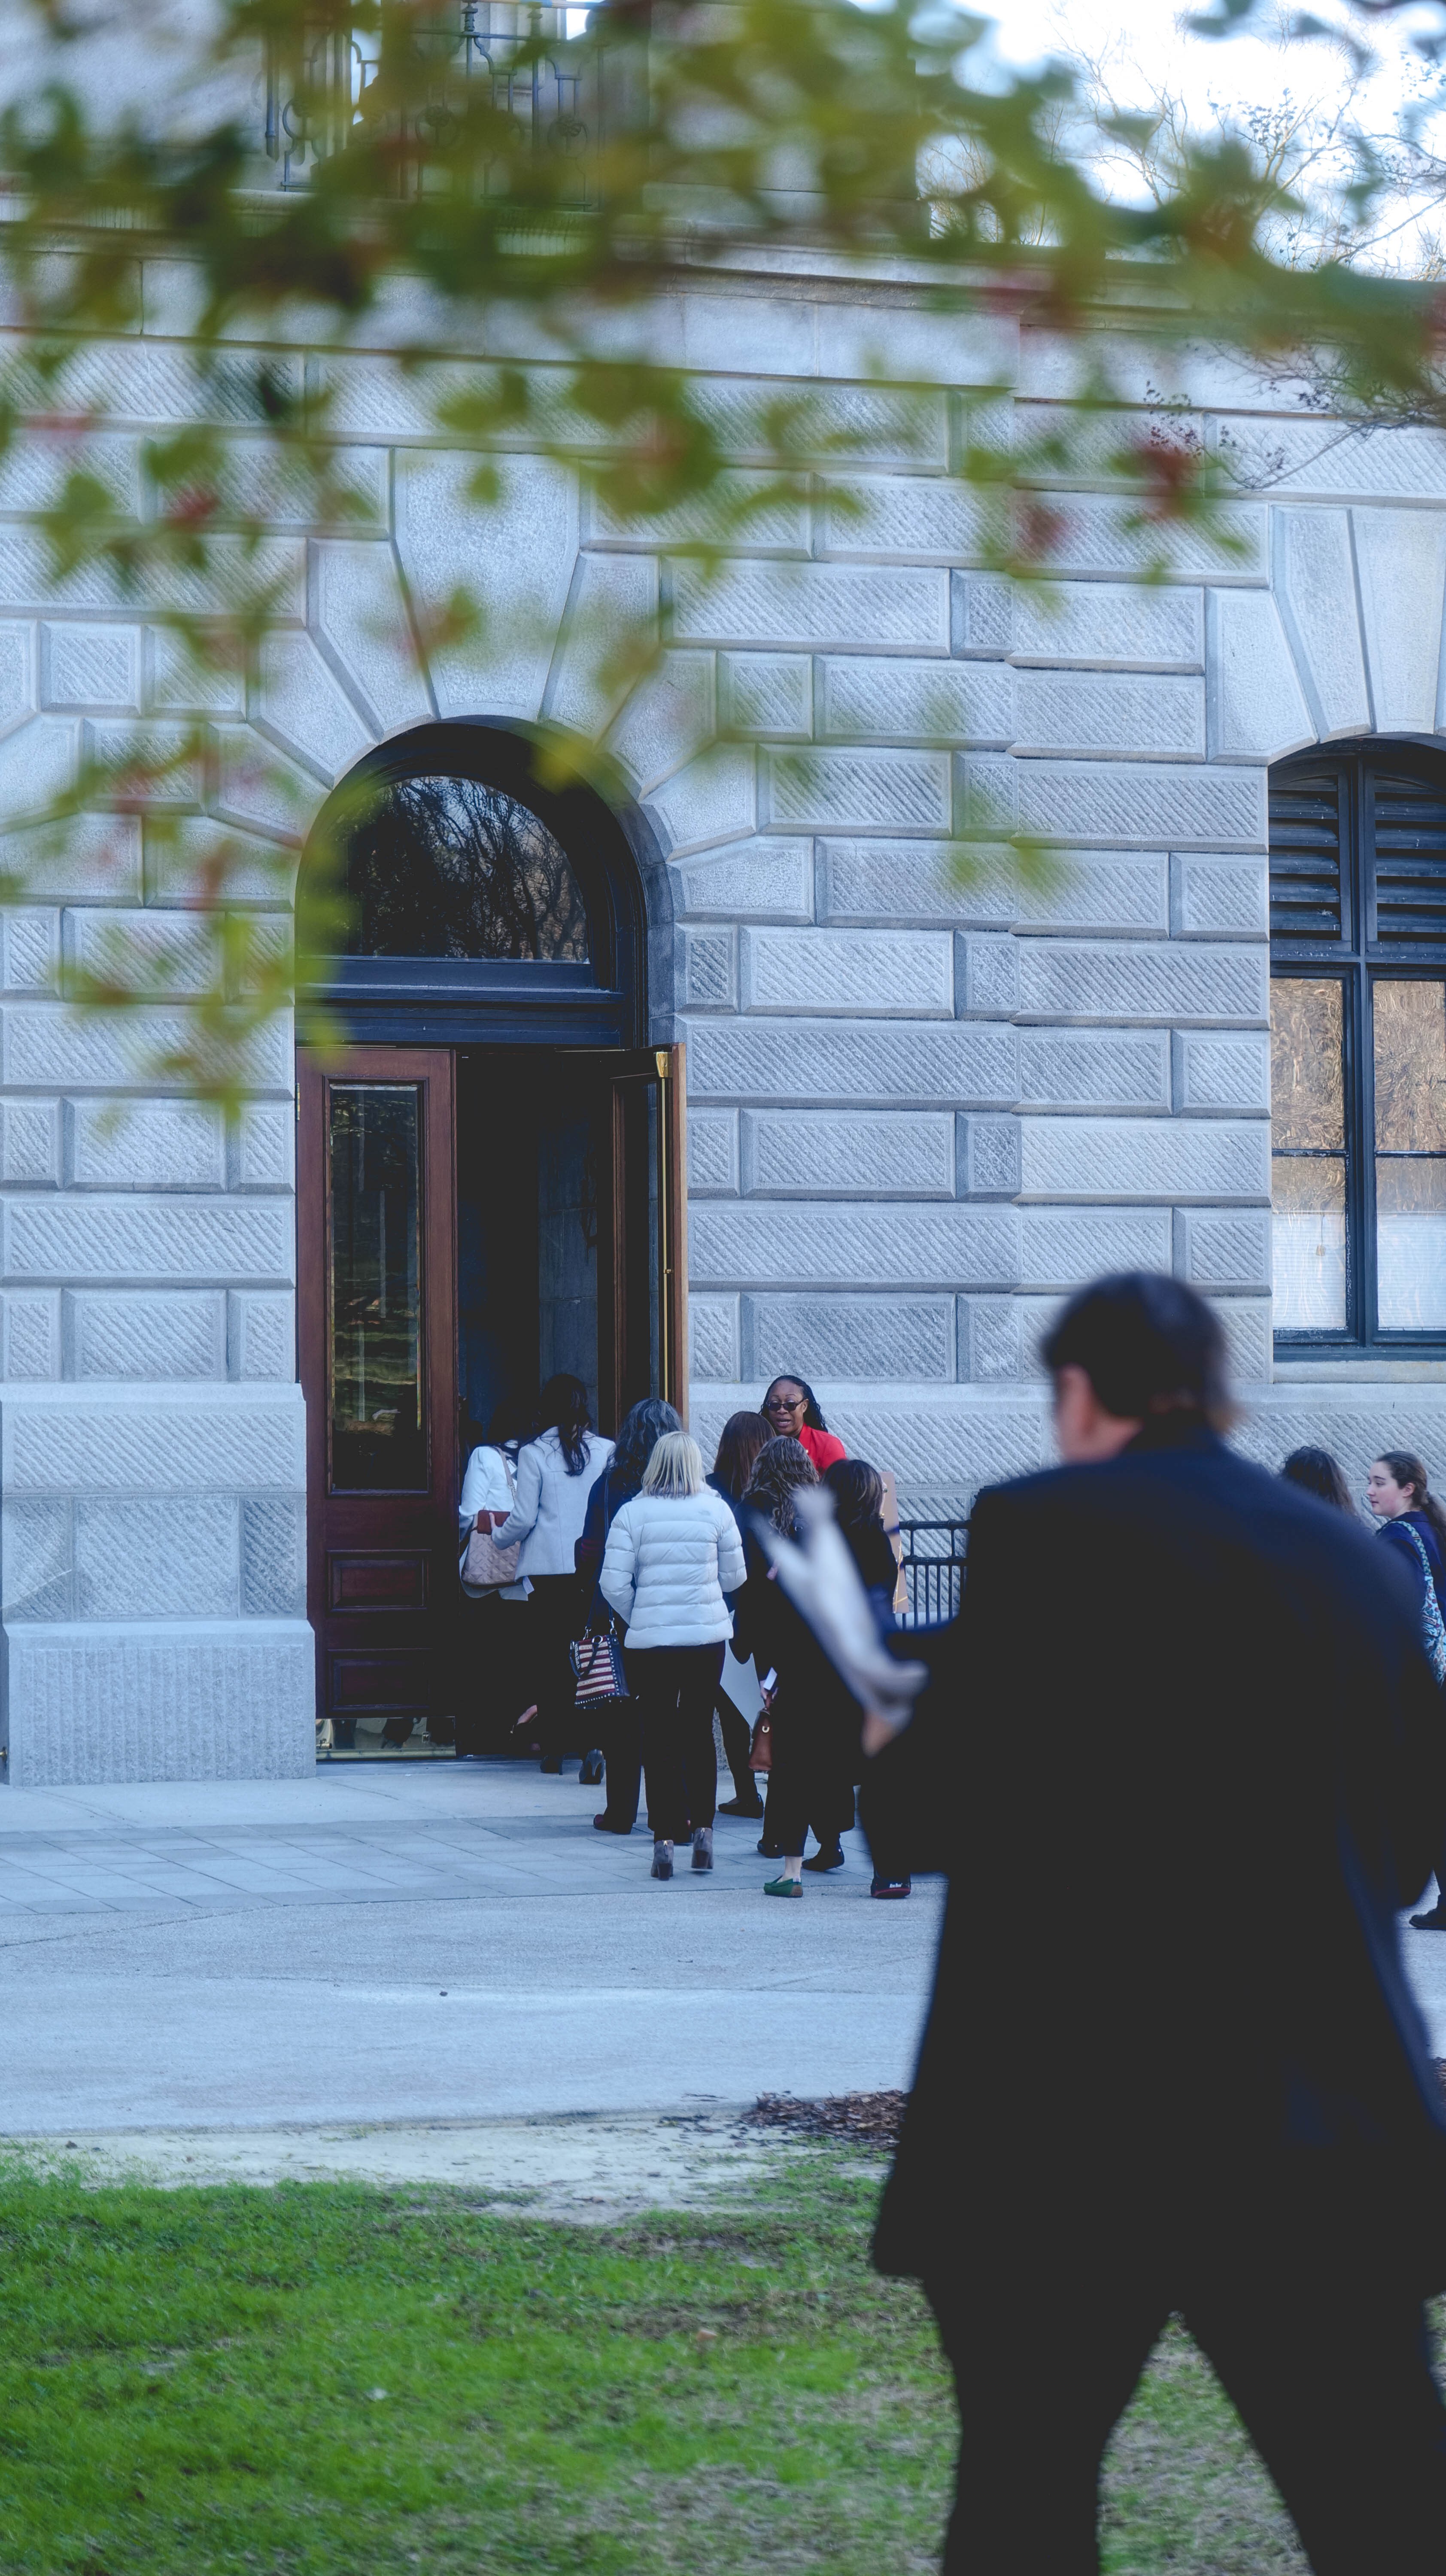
{"points": [[643, 1231], [378, 1346]]}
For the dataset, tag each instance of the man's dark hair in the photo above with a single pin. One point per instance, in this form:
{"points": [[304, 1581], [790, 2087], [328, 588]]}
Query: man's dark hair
{"points": [[1148, 1346]]}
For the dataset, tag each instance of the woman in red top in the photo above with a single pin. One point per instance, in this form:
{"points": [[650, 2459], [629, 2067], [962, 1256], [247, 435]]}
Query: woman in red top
{"points": [[792, 1410]]}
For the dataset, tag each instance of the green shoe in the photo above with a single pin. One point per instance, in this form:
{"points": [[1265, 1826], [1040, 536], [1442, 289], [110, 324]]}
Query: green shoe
{"points": [[783, 1887]]}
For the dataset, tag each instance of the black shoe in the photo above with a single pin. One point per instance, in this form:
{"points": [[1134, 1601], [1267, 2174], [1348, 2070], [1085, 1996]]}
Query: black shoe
{"points": [[1435, 1921], [604, 1824], [592, 1770], [768, 1850], [741, 1807], [829, 1858], [892, 1887]]}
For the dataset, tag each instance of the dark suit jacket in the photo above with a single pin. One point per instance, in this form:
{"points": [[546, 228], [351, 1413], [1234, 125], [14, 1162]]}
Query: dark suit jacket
{"points": [[1182, 1758]]}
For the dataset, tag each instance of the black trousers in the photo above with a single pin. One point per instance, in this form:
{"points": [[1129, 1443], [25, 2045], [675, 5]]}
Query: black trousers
{"points": [[675, 1687], [487, 1694], [622, 1745], [737, 1737], [553, 1620], [1327, 2364], [812, 1779]]}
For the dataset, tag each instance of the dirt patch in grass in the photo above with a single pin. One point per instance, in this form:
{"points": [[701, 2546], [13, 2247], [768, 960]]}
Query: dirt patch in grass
{"points": [[868, 2119]]}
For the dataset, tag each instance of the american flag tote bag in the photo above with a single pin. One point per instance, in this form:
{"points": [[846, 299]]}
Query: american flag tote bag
{"points": [[598, 1664]]}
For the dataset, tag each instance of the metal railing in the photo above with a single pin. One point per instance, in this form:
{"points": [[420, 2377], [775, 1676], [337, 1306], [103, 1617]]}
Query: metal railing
{"points": [[318, 79], [934, 1556]]}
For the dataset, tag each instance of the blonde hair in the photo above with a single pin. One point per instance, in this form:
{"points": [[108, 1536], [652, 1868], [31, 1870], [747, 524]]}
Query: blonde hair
{"points": [[675, 1468]]}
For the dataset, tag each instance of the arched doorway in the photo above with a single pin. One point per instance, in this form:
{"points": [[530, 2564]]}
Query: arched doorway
{"points": [[489, 1185]]}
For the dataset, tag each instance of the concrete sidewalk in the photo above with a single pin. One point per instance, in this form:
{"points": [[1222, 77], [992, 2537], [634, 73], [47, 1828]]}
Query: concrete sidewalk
{"points": [[390, 1943]]}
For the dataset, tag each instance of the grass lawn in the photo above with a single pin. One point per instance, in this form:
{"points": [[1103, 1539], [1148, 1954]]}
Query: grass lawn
{"points": [[327, 2380]]}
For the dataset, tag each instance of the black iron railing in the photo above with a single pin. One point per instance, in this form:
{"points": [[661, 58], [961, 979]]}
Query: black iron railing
{"points": [[934, 1554]]}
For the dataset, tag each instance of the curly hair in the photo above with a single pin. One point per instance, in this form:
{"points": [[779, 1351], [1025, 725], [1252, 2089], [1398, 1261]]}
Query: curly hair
{"points": [[778, 1472]]}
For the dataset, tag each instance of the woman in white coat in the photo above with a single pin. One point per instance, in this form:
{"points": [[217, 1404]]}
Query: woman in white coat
{"points": [[488, 1696], [556, 1473], [671, 1555]]}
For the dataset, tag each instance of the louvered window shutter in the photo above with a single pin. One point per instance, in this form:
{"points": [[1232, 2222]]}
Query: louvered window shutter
{"points": [[1309, 882], [1410, 865]]}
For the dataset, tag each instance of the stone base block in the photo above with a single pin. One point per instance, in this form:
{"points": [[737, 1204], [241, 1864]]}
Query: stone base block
{"points": [[944, 1441], [188, 1699]]}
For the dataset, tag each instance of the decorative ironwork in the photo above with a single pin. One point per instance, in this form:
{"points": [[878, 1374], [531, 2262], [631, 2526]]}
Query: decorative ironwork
{"points": [[317, 86]]}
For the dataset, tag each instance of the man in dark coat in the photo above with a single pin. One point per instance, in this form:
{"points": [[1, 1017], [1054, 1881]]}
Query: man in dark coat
{"points": [[1182, 1759]]}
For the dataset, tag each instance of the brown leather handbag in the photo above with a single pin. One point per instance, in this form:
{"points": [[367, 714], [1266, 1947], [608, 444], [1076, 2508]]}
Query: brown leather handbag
{"points": [[760, 1750]]}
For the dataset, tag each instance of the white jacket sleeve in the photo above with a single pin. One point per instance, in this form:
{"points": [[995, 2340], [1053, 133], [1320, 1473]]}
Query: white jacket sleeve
{"points": [[732, 1569], [484, 1487], [523, 1516], [619, 1576]]}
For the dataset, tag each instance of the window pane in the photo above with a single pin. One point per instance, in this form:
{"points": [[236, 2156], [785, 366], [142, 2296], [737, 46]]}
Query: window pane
{"points": [[1307, 1102], [1411, 1245], [378, 1436], [449, 867], [1308, 1243], [1410, 1060]]}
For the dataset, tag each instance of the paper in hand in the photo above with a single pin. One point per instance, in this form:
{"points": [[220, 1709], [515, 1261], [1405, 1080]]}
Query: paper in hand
{"points": [[823, 1583]]}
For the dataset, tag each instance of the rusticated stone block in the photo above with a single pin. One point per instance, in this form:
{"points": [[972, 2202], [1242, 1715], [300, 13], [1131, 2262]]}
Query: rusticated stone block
{"points": [[360, 621], [135, 1242], [1216, 1076], [1401, 563], [169, 1699], [988, 1338], [97, 861], [890, 425], [178, 679], [1145, 1158], [925, 702], [865, 1061], [1315, 579], [30, 1334], [611, 619], [738, 510], [767, 694], [965, 882], [1219, 898], [826, 1153], [988, 1165], [762, 880], [1078, 1069], [261, 1147], [152, 382], [147, 1337], [192, 862], [877, 1338], [1092, 534], [1222, 1248], [260, 1336], [145, 1145], [38, 1552], [139, 1559], [1139, 804], [760, 1244], [45, 1046], [1113, 626], [30, 1146], [812, 607], [713, 799], [709, 976], [514, 555], [714, 1338], [1333, 460], [668, 719], [1069, 979], [857, 791], [258, 788], [301, 705], [713, 1153], [986, 976], [147, 1439], [911, 519], [90, 667], [1133, 715], [38, 767], [235, 578], [1061, 1248], [37, 465], [273, 1557], [30, 950], [153, 953], [1257, 706], [1246, 1324], [904, 974]]}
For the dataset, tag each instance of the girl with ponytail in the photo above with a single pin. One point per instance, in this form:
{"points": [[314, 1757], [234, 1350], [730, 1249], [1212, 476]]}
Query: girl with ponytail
{"points": [[1413, 1522]]}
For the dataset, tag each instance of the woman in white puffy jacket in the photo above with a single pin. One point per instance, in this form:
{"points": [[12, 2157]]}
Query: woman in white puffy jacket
{"points": [[672, 1554]]}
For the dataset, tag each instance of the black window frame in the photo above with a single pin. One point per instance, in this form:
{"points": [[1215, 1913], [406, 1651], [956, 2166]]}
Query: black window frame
{"points": [[1356, 959]]}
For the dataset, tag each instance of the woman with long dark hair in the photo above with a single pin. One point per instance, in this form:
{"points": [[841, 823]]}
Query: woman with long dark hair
{"points": [[638, 1435], [858, 1496], [742, 1437], [811, 1778], [555, 1475], [791, 1410], [1316, 1472], [1413, 1525]]}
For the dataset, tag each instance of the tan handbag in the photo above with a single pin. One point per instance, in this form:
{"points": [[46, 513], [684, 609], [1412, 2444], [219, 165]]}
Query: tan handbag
{"points": [[484, 1565]]}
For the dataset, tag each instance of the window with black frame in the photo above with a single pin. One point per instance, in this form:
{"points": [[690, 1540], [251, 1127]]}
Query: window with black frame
{"points": [[1358, 1049]]}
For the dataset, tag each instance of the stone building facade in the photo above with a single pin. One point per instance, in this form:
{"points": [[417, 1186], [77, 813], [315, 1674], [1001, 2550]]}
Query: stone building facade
{"points": [[920, 1109]]}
